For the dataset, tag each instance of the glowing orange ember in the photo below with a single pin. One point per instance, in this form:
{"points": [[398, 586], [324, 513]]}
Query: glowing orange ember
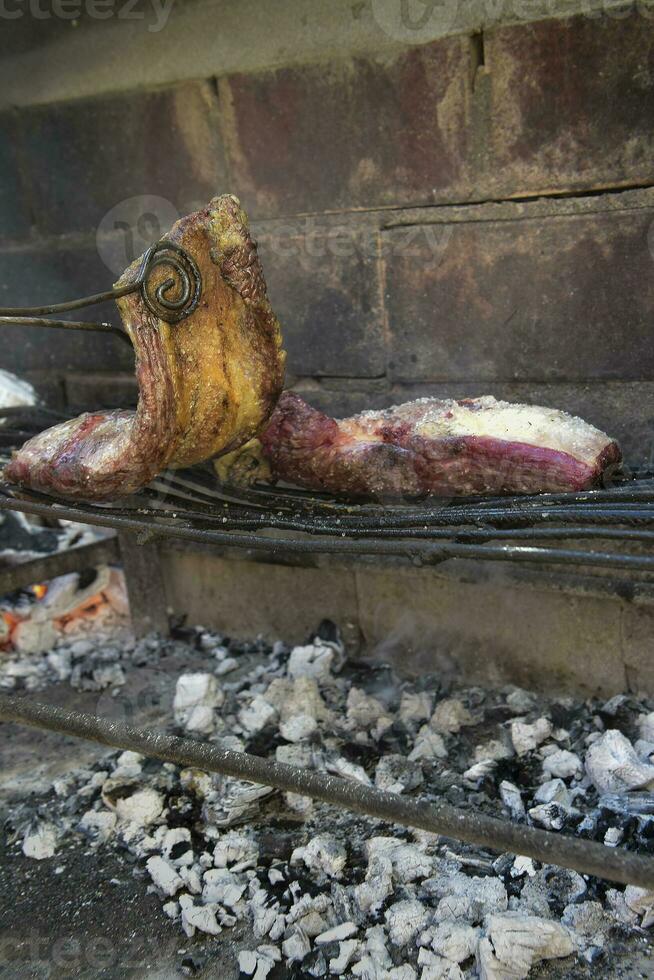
{"points": [[88, 607], [11, 620], [39, 590]]}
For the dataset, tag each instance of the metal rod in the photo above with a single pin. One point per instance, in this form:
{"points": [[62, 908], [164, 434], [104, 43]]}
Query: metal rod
{"points": [[36, 321], [73, 304], [171, 310], [439, 818], [415, 550]]}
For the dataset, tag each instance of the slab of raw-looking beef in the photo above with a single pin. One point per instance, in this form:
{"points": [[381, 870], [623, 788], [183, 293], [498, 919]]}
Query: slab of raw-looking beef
{"points": [[207, 384], [439, 447]]}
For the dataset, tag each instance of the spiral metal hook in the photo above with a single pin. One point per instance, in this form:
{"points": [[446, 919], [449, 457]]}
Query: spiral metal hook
{"points": [[171, 300], [185, 285]]}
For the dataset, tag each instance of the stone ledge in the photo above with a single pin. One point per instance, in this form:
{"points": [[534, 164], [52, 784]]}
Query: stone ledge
{"points": [[493, 631]]}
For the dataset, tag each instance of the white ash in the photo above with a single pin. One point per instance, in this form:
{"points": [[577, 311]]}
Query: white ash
{"points": [[450, 716], [298, 728], [396, 774], [323, 892], [454, 941], [415, 707], [526, 737], [514, 942], [613, 766], [428, 745], [512, 799], [314, 661], [563, 764], [646, 727], [196, 697], [41, 842], [323, 854]]}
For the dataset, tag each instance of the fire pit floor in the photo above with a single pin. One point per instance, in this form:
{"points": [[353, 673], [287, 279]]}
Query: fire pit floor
{"points": [[171, 873]]}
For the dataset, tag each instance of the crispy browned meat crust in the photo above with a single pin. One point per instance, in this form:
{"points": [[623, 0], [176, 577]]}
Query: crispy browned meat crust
{"points": [[206, 384]]}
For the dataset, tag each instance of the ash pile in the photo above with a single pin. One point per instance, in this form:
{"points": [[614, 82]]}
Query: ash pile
{"points": [[301, 889]]}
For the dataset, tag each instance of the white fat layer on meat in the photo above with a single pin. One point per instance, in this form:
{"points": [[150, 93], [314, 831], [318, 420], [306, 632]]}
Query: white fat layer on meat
{"points": [[488, 418]]}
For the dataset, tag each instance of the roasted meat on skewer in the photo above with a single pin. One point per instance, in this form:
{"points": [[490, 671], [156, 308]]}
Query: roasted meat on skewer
{"points": [[429, 446], [207, 383]]}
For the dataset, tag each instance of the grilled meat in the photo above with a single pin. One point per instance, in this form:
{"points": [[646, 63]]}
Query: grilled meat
{"points": [[207, 383], [429, 446]]}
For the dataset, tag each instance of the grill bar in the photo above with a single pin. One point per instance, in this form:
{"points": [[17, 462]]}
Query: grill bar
{"points": [[440, 818], [62, 563], [418, 551]]}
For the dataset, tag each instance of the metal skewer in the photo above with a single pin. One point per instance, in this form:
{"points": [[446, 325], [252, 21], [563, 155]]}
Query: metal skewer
{"points": [[156, 299], [614, 864]]}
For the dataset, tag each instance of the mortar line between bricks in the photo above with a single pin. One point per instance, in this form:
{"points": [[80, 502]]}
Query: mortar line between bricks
{"points": [[419, 214], [599, 194]]}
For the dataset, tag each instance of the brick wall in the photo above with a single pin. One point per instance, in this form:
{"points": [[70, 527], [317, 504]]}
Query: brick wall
{"points": [[469, 215]]}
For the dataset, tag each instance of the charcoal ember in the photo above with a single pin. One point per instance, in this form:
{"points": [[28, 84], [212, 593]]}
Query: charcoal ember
{"points": [[296, 947], [371, 894], [415, 708], [436, 967], [315, 964], [41, 841], [563, 765], [404, 920], [523, 866], [236, 802], [316, 660], [454, 941], [164, 875], [428, 745], [323, 854], [548, 891], [480, 775], [356, 887], [347, 952], [395, 774], [552, 816], [366, 712], [257, 715], [330, 939], [450, 716], [554, 791], [617, 711], [196, 698], [512, 799], [133, 803], [515, 942], [99, 825], [528, 736], [349, 770], [496, 750], [465, 898], [640, 901], [589, 923], [645, 724], [613, 766], [260, 962]]}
